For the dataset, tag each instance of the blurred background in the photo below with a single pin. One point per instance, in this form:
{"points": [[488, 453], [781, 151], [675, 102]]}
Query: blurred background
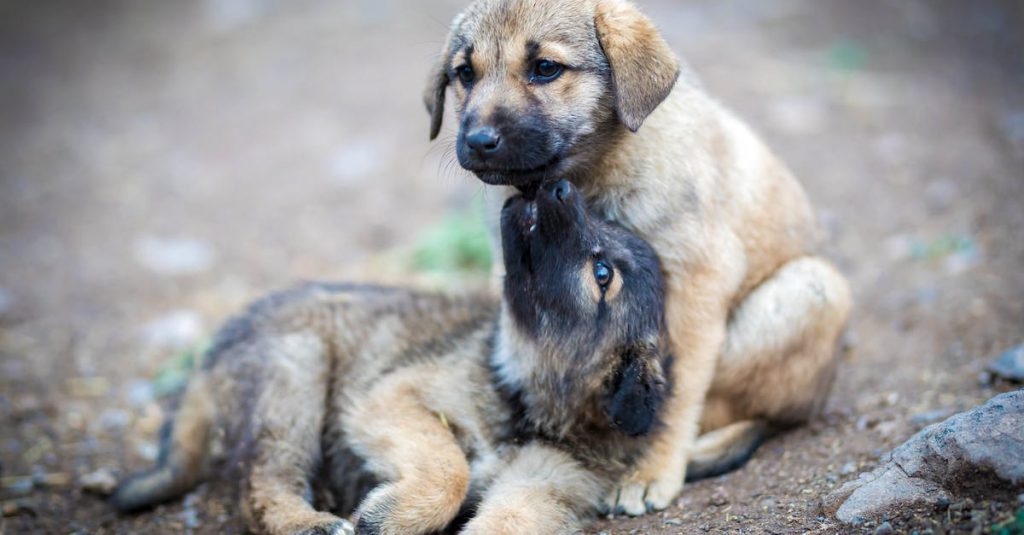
{"points": [[163, 163]]}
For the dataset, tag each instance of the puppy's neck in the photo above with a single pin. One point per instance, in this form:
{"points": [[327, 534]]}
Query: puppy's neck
{"points": [[553, 392]]}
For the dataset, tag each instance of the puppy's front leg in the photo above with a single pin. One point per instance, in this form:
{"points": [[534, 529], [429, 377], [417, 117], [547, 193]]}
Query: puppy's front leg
{"points": [[411, 448], [542, 491], [696, 310]]}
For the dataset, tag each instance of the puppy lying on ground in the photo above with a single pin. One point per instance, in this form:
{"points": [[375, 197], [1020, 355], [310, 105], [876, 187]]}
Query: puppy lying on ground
{"points": [[530, 409], [587, 90]]}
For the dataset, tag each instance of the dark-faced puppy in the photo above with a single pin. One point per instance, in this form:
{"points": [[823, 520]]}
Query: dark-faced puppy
{"points": [[588, 289], [529, 410]]}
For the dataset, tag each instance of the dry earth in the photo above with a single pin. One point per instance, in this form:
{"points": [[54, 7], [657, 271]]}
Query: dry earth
{"points": [[162, 163]]}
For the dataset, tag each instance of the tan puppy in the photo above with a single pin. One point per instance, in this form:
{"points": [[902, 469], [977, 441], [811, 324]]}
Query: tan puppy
{"points": [[588, 90], [524, 415]]}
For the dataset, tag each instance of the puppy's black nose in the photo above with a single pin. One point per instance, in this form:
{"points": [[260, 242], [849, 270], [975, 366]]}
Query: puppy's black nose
{"points": [[561, 190], [484, 140]]}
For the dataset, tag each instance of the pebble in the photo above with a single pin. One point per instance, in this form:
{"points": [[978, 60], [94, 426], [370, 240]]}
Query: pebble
{"points": [[848, 468], [1010, 365], [673, 522], [866, 422], [148, 451], [884, 529], [18, 486], [115, 419], [174, 256], [100, 482], [886, 429], [930, 417], [6, 302], [139, 393], [16, 507], [719, 498], [178, 329]]}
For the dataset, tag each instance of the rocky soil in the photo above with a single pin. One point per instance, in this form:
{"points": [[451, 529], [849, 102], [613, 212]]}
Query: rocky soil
{"points": [[162, 163]]}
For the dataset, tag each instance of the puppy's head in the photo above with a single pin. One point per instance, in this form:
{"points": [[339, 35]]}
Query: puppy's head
{"points": [[588, 297], [541, 86]]}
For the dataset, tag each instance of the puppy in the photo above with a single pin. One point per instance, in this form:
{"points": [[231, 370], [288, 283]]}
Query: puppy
{"points": [[588, 90], [524, 413]]}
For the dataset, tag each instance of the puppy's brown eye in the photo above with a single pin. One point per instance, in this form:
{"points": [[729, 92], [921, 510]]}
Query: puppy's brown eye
{"points": [[603, 274], [546, 70], [465, 73]]}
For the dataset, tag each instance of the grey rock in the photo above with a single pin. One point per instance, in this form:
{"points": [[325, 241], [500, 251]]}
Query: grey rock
{"points": [[100, 482], [987, 442], [1010, 365], [848, 468], [884, 529]]}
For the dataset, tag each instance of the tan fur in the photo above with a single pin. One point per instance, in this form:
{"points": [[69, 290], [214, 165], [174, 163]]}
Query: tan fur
{"points": [[438, 399], [753, 315]]}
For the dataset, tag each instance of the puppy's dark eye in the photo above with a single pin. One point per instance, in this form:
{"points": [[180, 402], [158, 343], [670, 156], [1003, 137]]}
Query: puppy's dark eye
{"points": [[546, 70], [603, 274], [465, 73]]}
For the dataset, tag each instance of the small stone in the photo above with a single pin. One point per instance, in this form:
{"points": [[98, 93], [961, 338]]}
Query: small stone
{"points": [[115, 419], [148, 451], [6, 302], [848, 468], [719, 498], [884, 529], [18, 486], [101, 482], [930, 417], [1010, 365], [15, 508], [865, 422], [178, 329], [673, 522], [139, 392], [891, 399], [887, 428], [174, 256]]}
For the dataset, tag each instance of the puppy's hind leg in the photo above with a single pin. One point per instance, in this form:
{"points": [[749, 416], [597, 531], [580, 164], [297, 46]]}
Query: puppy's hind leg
{"points": [[415, 451], [287, 422], [777, 364]]}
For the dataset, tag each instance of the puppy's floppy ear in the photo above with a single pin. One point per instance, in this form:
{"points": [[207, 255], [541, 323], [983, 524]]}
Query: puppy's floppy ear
{"points": [[636, 392], [644, 68], [437, 85]]}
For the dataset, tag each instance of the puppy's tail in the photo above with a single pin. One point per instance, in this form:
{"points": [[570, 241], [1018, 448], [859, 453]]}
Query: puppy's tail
{"points": [[183, 451], [727, 448]]}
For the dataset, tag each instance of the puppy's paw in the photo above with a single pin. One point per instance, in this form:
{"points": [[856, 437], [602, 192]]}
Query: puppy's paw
{"points": [[636, 497], [337, 526]]}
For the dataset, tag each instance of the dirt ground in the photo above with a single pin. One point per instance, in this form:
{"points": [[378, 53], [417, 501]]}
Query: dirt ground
{"points": [[162, 163]]}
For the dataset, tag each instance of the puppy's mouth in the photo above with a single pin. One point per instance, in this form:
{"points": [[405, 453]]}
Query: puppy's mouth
{"points": [[526, 180]]}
